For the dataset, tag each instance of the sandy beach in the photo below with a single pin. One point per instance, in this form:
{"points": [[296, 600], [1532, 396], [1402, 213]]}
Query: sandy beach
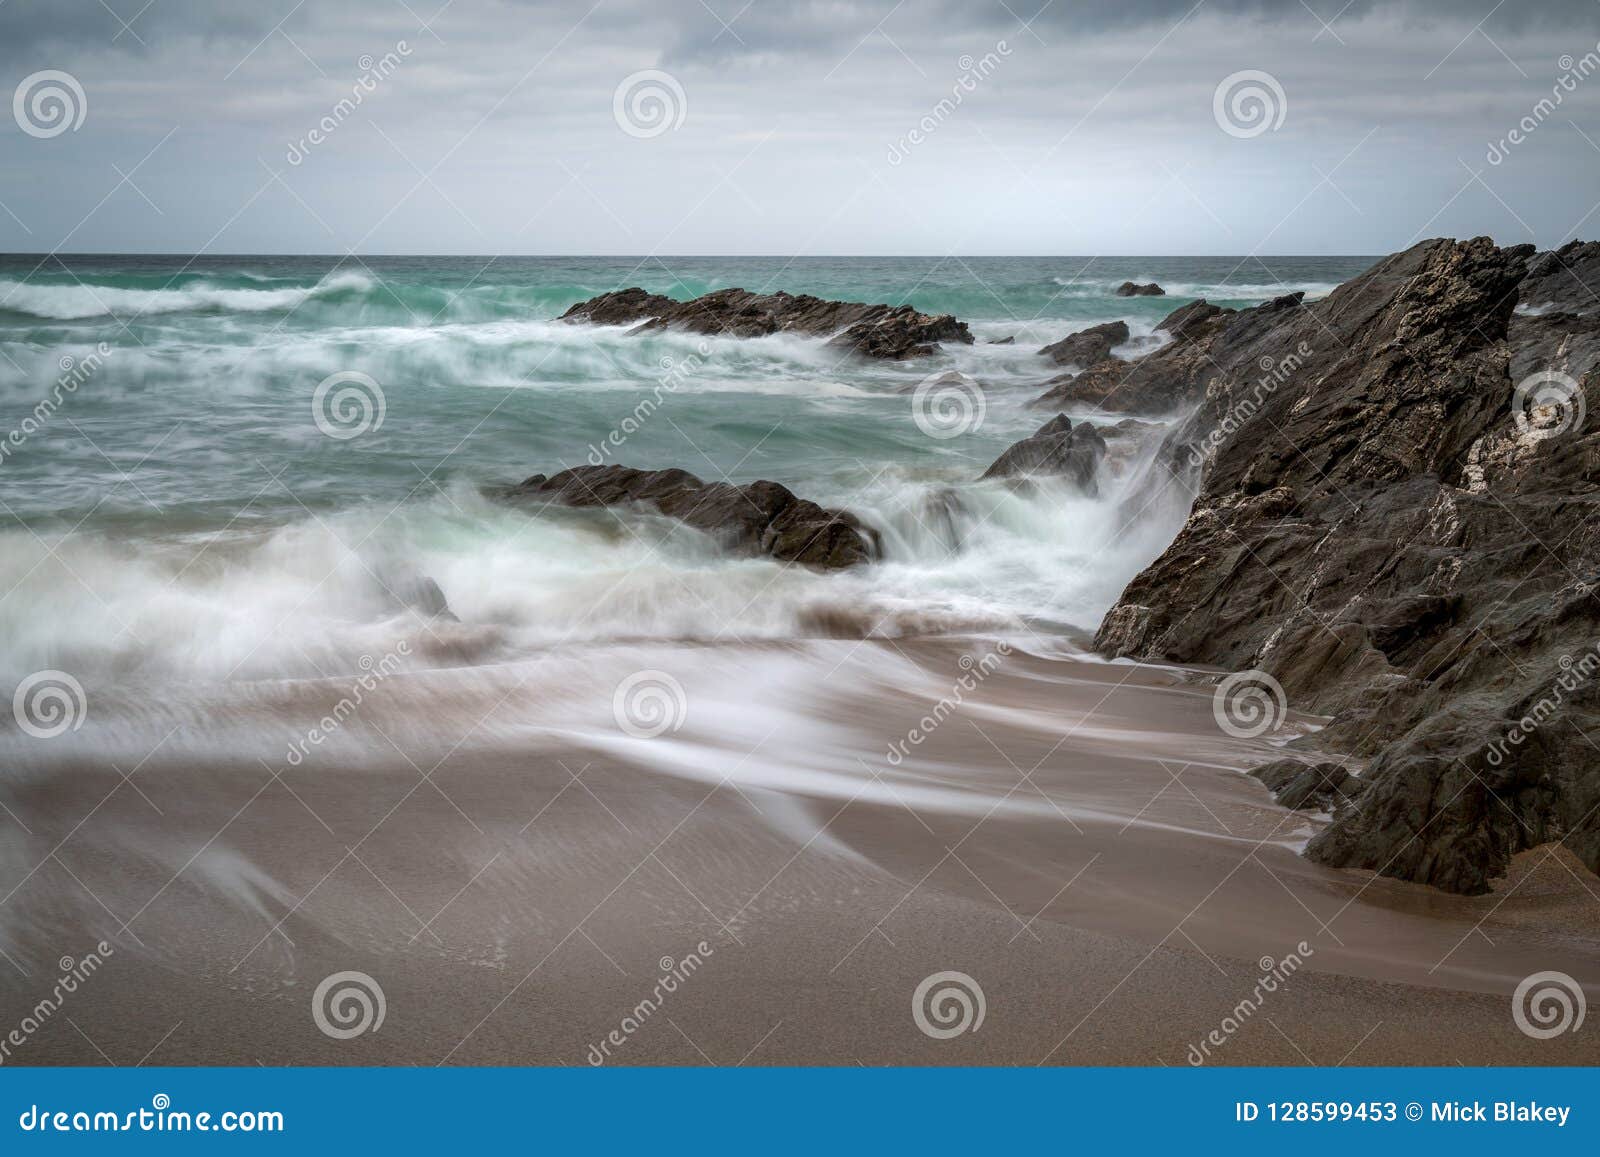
{"points": [[516, 876]]}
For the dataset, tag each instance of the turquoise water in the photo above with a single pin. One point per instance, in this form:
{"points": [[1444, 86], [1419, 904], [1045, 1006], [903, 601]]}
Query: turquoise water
{"points": [[176, 506]]}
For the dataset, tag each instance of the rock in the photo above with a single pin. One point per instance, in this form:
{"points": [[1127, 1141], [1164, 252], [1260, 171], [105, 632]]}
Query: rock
{"points": [[1132, 289], [1377, 528], [1309, 786], [1564, 279], [762, 518], [877, 331], [1163, 381], [1010, 339], [1088, 346], [1056, 449]]}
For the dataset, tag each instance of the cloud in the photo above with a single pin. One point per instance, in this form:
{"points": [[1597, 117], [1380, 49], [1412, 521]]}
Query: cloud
{"points": [[1095, 133]]}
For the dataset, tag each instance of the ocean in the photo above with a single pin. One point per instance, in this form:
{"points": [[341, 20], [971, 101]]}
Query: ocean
{"points": [[179, 501]]}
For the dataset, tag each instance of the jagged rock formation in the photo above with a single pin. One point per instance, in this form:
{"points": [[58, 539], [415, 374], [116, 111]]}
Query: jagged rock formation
{"points": [[763, 518], [1173, 376], [875, 331], [1056, 449], [1087, 347], [1399, 526], [1134, 289]]}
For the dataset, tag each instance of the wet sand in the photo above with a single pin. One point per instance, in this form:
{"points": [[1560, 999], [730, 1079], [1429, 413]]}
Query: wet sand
{"points": [[515, 872]]}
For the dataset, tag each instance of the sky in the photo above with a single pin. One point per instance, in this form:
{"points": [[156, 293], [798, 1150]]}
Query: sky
{"points": [[810, 127]]}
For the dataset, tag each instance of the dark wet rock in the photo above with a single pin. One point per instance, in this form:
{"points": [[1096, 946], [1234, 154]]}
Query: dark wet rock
{"points": [[762, 518], [1057, 449], [876, 331], [1310, 786], [1377, 527], [1133, 289], [411, 590], [1088, 346], [1010, 339], [1163, 381], [1564, 279]]}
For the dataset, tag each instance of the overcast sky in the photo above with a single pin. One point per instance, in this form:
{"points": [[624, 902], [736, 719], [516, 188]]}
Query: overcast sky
{"points": [[792, 127]]}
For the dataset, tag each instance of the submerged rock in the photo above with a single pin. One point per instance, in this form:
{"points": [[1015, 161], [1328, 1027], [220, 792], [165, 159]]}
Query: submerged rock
{"points": [[1057, 449], [1087, 347], [1133, 289], [1389, 524], [762, 518], [876, 331]]}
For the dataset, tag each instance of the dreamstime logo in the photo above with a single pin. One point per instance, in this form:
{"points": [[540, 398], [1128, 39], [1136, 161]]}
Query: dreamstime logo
{"points": [[348, 1004], [974, 672], [1273, 374], [49, 703], [1274, 974], [649, 703], [47, 104], [1249, 703], [74, 373], [373, 72], [649, 103], [973, 73], [1548, 404], [1548, 1004], [73, 974], [1248, 103], [347, 404], [1573, 73], [948, 404], [948, 1004], [674, 372], [674, 975]]}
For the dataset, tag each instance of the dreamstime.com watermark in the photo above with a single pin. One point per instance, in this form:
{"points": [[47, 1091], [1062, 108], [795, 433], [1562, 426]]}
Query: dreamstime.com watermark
{"points": [[674, 974], [73, 974], [1547, 1004], [976, 671], [973, 73], [161, 1117], [1248, 704], [649, 703], [1547, 404], [1273, 974], [1573, 73], [1575, 674], [49, 703], [948, 404], [1248, 103], [674, 372], [374, 672], [649, 103], [1273, 374], [74, 373], [947, 1004], [49, 103], [347, 1004], [347, 405], [373, 73]]}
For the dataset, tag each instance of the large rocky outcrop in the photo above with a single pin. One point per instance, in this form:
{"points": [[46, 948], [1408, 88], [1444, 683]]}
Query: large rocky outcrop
{"points": [[875, 331], [1057, 449], [1386, 525], [762, 518]]}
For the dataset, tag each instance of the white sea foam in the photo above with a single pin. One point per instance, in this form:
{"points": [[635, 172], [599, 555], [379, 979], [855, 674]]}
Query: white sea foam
{"points": [[85, 300]]}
